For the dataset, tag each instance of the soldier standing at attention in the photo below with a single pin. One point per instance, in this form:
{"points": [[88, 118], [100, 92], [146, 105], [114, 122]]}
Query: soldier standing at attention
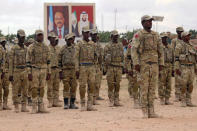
{"points": [[98, 66], [114, 57], [67, 63], [39, 70], [166, 74], [18, 72], [175, 42], [4, 80], [147, 56], [27, 44], [85, 67], [185, 67], [54, 84]]}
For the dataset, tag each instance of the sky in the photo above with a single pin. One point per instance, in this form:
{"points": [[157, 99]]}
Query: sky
{"points": [[29, 14]]}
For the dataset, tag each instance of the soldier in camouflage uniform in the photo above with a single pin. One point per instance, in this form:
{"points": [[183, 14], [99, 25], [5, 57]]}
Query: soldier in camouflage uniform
{"points": [[165, 75], [114, 57], [133, 86], [4, 81], [185, 66], [38, 63], [54, 84], [18, 72], [175, 42], [98, 66], [27, 44], [67, 63], [85, 67], [147, 56]]}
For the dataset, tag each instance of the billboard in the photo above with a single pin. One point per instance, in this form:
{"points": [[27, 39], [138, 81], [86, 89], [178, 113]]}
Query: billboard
{"points": [[64, 18]]}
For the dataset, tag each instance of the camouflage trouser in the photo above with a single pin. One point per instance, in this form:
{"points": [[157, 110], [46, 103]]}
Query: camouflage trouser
{"points": [[86, 77], [133, 86], [70, 83], [186, 82], [53, 85], [98, 78], [114, 77], [38, 83], [4, 88], [148, 81], [165, 81], [20, 81]]}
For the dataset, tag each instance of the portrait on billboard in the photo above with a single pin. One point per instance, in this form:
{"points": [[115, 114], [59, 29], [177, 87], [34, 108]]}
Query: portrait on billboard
{"points": [[58, 20], [82, 16]]}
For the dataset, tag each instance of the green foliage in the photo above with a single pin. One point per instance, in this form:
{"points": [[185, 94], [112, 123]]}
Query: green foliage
{"points": [[193, 34]]}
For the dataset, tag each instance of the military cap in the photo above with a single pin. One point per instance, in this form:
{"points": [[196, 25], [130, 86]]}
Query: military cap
{"points": [[114, 32], [2, 39], [85, 29], [146, 17], [185, 34], [163, 34], [51, 34], [39, 32], [70, 35], [21, 32], [30, 40], [94, 31], [179, 29]]}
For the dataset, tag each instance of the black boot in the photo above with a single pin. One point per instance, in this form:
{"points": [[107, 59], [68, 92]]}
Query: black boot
{"points": [[66, 103], [72, 104], [29, 101]]}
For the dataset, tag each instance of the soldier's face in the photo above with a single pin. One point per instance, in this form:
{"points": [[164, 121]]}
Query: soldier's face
{"points": [[186, 38], [21, 39], [73, 40], [115, 38], [52, 41], [59, 19], [40, 37], [164, 40], [70, 41], [179, 33], [147, 24], [94, 37], [85, 35]]}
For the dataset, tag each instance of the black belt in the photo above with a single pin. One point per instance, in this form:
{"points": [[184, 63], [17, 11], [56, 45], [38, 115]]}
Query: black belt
{"points": [[187, 64], [20, 67], [150, 63], [115, 65], [54, 67], [86, 64]]}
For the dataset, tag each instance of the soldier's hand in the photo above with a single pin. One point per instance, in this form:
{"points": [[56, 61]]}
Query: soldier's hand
{"points": [[172, 73], [161, 67], [48, 76], [137, 68], [77, 74], [61, 75], [11, 78], [30, 77], [2, 75], [178, 72]]}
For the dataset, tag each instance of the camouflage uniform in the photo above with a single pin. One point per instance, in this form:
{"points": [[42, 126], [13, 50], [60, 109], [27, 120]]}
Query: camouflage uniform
{"points": [[133, 86], [38, 63], [114, 57], [17, 69], [2, 70], [86, 57], [67, 63], [175, 42], [185, 61], [164, 90], [5, 82], [99, 73], [53, 84], [147, 51]]}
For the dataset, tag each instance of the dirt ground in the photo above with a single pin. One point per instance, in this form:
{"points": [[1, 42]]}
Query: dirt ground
{"points": [[125, 118]]}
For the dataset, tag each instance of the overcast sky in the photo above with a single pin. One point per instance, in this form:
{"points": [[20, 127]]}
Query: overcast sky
{"points": [[29, 14]]}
